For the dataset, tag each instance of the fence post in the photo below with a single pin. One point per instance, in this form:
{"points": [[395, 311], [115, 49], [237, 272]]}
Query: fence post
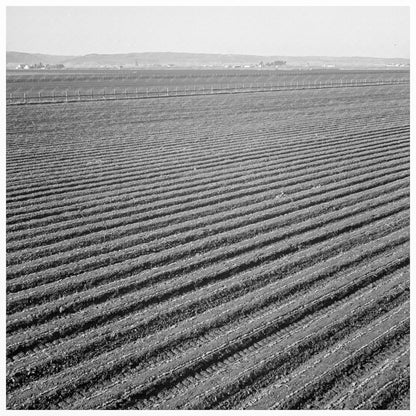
{"points": [[39, 96], [66, 96], [24, 97], [147, 92], [11, 98]]}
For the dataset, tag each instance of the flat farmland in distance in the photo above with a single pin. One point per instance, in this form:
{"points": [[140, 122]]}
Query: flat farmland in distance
{"points": [[246, 251], [33, 82]]}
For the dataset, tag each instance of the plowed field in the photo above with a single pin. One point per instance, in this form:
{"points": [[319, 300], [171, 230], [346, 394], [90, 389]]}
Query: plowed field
{"points": [[210, 252]]}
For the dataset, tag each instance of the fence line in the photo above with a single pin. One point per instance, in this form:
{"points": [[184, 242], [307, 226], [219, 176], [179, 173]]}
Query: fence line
{"points": [[126, 94]]}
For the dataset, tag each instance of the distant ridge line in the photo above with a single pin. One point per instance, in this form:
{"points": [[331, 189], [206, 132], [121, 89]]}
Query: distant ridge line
{"points": [[185, 59]]}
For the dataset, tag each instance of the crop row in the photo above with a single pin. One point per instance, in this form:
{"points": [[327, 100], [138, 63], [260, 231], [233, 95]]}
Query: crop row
{"points": [[250, 238], [276, 284], [127, 236], [334, 291], [187, 159], [288, 226], [264, 158], [210, 253], [114, 309], [303, 383], [220, 353], [24, 282], [358, 394], [134, 150], [180, 233], [229, 164], [128, 211], [228, 393]]}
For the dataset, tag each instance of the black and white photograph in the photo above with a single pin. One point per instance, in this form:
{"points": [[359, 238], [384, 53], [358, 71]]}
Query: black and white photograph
{"points": [[206, 206]]}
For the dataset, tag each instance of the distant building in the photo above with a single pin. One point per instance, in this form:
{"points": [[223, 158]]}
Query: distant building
{"points": [[273, 64], [57, 66], [40, 65]]}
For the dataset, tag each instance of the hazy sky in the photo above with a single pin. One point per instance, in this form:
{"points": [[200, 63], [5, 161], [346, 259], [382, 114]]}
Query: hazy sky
{"points": [[296, 31]]}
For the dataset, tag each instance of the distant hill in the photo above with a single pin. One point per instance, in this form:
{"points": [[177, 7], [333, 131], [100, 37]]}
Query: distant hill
{"points": [[174, 59], [13, 58]]}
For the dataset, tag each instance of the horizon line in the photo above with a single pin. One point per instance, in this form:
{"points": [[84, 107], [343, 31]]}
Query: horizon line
{"points": [[213, 53]]}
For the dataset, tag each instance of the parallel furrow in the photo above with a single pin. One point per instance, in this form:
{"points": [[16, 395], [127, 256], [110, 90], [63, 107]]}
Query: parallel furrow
{"points": [[333, 292], [261, 190], [276, 285], [301, 222], [122, 174], [265, 162]]}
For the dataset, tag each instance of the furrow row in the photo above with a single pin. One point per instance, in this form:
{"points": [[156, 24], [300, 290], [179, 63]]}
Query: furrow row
{"points": [[138, 242], [276, 284], [337, 238], [199, 361], [260, 189], [130, 167], [62, 151], [343, 288], [137, 262], [238, 158], [289, 225], [359, 390], [263, 366]]}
